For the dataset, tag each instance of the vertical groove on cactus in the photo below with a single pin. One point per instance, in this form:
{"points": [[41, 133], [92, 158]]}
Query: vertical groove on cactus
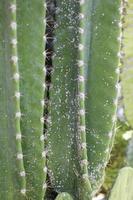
{"points": [[49, 39], [31, 50]]}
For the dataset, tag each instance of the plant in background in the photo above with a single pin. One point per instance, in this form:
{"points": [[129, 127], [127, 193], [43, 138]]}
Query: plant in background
{"points": [[123, 187], [127, 74], [69, 137]]}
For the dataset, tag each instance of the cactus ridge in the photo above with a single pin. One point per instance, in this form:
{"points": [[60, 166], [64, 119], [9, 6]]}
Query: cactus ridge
{"points": [[32, 56], [15, 79], [75, 148], [22, 83], [85, 186], [102, 93], [12, 176]]}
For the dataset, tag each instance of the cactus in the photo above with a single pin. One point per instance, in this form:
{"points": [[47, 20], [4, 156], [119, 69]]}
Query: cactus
{"points": [[82, 103], [83, 94], [123, 186], [22, 157], [127, 75]]}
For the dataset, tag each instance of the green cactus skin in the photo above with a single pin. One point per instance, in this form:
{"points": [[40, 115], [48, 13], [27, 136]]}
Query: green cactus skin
{"points": [[83, 96], [64, 196], [101, 85], [22, 61], [12, 172], [127, 75], [67, 100], [122, 189], [31, 50]]}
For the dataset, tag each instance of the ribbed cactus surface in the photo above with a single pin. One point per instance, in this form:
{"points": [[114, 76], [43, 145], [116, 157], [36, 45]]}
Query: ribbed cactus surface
{"points": [[82, 98], [83, 94], [22, 157]]}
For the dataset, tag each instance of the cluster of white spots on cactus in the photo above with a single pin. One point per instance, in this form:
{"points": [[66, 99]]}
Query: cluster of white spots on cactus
{"points": [[81, 30], [23, 191], [13, 8], [81, 47], [19, 156], [14, 59], [22, 173], [81, 63], [18, 115], [14, 42], [17, 95], [18, 136], [16, 76]]}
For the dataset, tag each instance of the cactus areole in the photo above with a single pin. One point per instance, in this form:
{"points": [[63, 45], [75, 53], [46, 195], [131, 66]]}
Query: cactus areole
{"points": [[59, 67]]}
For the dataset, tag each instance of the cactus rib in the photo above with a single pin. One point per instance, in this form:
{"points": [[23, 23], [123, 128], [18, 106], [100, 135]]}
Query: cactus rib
{"points": [[16, 76], [12, 176], [102, 86], [84, 185], [32, 55]]}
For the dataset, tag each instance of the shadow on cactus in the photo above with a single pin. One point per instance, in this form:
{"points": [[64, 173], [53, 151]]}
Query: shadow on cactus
{"points": [[57, 139]]}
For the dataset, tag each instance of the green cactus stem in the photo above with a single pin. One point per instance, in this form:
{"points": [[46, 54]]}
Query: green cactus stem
{"points": [[22, 76], [102, 85], [122, 189], [84, 93], [12, 175], [32, 54]]}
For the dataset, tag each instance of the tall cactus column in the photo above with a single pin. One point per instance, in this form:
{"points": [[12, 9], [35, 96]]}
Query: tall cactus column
{"points": [[84, 17], [31, 50], [12, 175], [102, 85], [84, 93], [22, 86]]}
